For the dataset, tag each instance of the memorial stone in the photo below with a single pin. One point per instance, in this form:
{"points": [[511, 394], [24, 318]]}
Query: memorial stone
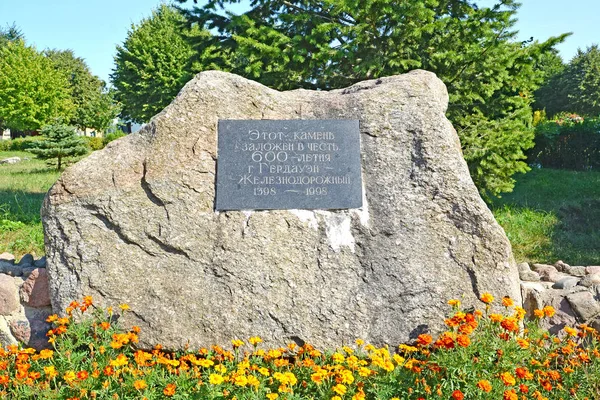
{"points": [[137, 222]]}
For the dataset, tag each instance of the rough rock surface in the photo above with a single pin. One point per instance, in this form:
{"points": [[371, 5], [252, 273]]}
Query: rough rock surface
{"points": [[121, 223], [34, 291]]}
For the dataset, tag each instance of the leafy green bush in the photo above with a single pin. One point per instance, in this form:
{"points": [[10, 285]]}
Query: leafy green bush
{"points": [[567, 142], [112, 136], [94, 143], [20, 144]]}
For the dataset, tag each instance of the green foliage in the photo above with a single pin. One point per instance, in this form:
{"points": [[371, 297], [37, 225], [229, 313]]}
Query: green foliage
{"points": [[10, 34], [94, 143], [332, 44], [94, 105], [112, 136], [574, 87], [567, 142], [153, 64], [32, 91], [61, 143], [19, 144]]}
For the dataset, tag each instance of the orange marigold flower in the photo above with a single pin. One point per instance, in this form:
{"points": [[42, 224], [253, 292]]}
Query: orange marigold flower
{"points": [[523, 343], [105, 325], [140, 384], [424, 339], [538, 313], [463, 340], [454, 303], [523, 388], [108, 370], [507, 302], [484, 385], [82, 375], [546, 384], [570, 331], [458, 395], [169, 389], [487, 298], [511, 324], [507, 379], [549, 311], [496, 317], [510, 395]]}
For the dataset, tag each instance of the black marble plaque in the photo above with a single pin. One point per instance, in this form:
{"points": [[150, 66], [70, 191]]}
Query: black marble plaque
{"points": [[288, 164]]}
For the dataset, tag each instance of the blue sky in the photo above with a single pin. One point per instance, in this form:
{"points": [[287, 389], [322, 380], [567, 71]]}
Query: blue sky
{"points": [[92, 28]]}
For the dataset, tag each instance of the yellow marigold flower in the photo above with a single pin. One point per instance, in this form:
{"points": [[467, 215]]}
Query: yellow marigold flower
{"points": [[359, 342], [169, 389], [50, 371], [263, 371], [220, 368], [487, 298], [255, 340], [237, 343], [454, 303], [570, 331], [523, 343], [339, 389], [364, 372], [240, 380], [46, 354], [52, 318], [360, 395], [120, 361], [69, 376], [549, 311], [336, 398], [369, 347], [399, 359], [274, 353], [216, 379], [520, 312], [124, 307], [338, 358], [407, 348], [484, 385], [272, 396], [507, 301], [346, 377], [253, 381], [496, 317], [140, 384], [507, 379], [347, 350]]}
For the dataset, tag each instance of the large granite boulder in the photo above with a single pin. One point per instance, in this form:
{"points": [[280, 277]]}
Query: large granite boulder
{"points": [[135, 223]]}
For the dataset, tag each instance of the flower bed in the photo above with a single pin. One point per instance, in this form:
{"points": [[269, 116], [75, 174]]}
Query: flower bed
{"points": [[482, 355]]}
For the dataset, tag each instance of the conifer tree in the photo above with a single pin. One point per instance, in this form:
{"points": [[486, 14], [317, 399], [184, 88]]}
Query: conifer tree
{"points": [[61, 142]]}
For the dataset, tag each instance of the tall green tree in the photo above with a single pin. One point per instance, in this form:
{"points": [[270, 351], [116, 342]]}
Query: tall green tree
{"points": [[574, 87], [61, 142], [32, 91], [10, 34], [153, 63], [327, 44], [94, 104]]}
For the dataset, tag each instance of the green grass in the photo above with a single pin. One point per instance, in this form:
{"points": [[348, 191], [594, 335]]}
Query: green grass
{"points": [[553, 215], [22, 190]]}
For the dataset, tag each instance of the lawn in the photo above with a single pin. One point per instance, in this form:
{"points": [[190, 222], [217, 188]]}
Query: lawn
{"points": [[553, 215], [22, 189], [550, 215]]}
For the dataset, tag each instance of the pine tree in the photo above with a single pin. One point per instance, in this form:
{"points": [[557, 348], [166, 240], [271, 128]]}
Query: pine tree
{"points": [[61, 142]]}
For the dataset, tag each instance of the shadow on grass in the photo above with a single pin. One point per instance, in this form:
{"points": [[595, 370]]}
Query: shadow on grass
{"points": [[552, 215]]}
